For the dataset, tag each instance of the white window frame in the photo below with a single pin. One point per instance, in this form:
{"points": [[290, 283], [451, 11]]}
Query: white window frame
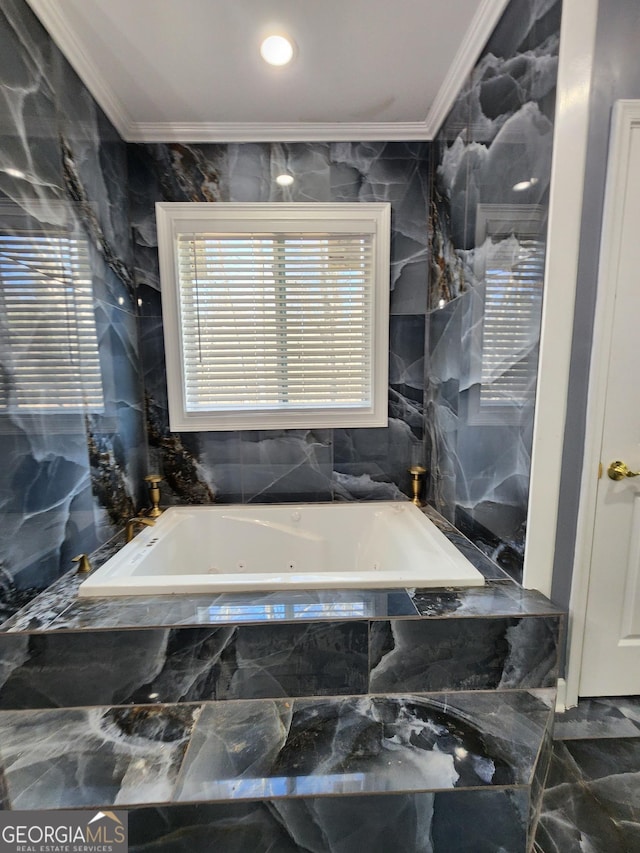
{"points": [[175, 218]]}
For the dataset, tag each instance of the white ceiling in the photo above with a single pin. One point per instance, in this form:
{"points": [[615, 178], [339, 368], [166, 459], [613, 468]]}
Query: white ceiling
{"points": [[190, 71]]}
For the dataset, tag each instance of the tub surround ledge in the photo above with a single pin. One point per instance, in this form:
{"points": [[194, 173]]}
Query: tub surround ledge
{"points": [[167, 649], [62, 651], [58, 606]]}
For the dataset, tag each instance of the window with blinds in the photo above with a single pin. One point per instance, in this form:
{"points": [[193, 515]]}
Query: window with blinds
{"points": [[274, 314], [511, 326], [509, 261], [49, 325]]}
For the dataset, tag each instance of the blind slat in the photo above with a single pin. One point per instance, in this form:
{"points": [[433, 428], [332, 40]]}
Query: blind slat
{"points": [[276, 320], [513, 298], [47, 302]]}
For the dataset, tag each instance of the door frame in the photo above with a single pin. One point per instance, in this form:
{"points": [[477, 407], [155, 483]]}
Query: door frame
{"points": [[625, 118], [570, 138]]}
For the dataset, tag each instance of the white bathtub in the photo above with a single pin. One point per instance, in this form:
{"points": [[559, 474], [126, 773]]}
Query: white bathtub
{"points": [[285, 546]]}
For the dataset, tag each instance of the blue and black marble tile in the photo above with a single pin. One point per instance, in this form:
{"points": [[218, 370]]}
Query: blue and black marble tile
{"points": [[490, 570], [288, 465], [600, 717], [312, 747], [70, 475], [491, 173], [501, 599], [93, 757], [280, 750], [487, 821], [477, 653], [71, 668], [591, 799], [58, 609]]}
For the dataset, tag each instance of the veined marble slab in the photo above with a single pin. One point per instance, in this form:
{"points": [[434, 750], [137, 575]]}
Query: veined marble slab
{"points": [[600, 718], [266, 749], [95, 756], [592, 800], [489, 820], [500, 599], [475, 653]]}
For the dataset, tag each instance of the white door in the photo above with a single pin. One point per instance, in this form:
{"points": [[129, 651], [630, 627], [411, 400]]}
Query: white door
{"points": [[611, 652]]}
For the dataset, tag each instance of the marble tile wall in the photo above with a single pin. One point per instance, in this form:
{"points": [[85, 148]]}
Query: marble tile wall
{"points": [[498, 134], [67, 480], [464, 654], [275, 465]]}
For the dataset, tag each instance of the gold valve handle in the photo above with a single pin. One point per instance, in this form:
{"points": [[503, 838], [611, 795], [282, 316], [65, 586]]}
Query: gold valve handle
{"points": [[618, 471], [417, 473], [84, 566], [153, 481]]}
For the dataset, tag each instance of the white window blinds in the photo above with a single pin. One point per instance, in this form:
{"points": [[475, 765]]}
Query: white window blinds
{"points": [[276, 325], [511, 326], [46, 298], [276, 320]]}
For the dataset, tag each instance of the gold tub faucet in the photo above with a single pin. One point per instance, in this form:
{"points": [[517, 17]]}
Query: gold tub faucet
{"points": [[417, 470], [131, 525], [153, 481]]}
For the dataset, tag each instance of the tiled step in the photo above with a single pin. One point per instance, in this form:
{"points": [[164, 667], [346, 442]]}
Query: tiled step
{"points": [[432, 772], [253, 646]]}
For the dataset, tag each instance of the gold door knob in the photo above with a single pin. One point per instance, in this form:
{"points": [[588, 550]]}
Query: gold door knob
{"points": [[618, 471]]}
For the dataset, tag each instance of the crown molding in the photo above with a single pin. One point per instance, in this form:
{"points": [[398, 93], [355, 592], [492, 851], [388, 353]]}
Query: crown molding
{"points": [[52, 19], [277, 132], [482, 25]]}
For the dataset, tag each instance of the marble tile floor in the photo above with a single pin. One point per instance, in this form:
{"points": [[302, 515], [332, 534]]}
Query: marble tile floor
{"points": [[591, 802]]}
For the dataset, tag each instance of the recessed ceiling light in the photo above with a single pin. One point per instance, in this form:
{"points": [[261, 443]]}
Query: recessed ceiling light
{"points": [[15, 173], [284, 180], [525, 185], [277, 50]]}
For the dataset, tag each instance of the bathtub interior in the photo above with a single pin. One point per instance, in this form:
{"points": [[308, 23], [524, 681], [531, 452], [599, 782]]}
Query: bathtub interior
{"points": [[370, 544]]}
